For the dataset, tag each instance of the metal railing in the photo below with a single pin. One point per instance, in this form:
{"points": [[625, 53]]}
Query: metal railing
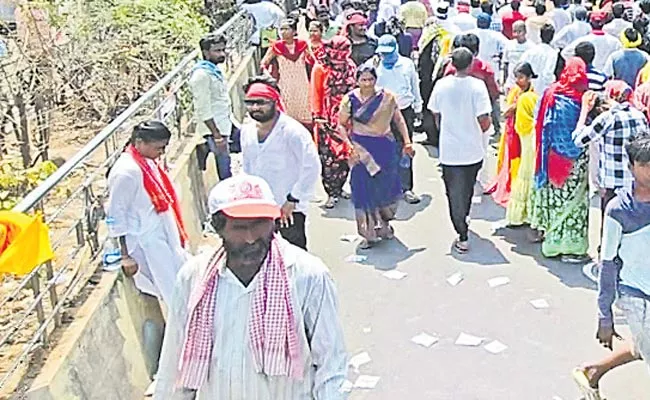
{"points": [[36, 303]]}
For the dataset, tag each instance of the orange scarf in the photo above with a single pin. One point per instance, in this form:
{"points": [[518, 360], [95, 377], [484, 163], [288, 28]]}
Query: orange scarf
{"points": [[160, 191]]}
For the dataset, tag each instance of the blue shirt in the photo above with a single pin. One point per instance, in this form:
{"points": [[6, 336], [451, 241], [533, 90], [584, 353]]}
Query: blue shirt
{"points": [[625, 65], [626, 234]]}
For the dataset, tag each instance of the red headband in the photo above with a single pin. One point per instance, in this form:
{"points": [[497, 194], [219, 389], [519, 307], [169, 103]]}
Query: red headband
{"points": [[265, 91]]}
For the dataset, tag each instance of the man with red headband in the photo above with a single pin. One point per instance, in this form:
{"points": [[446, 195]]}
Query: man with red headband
{"points": [[279, 149], [363, 46]]}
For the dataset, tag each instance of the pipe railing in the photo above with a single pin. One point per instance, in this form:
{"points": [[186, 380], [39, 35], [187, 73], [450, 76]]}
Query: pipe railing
{"points": [[36, 303]]}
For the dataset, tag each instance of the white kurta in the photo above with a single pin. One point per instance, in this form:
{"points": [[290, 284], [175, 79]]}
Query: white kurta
{"points": [[232, 374], [151, 238], [543, 59]]}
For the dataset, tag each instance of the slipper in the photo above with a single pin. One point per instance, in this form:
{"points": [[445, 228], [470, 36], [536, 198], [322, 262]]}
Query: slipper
{"points": [[580, 378]]}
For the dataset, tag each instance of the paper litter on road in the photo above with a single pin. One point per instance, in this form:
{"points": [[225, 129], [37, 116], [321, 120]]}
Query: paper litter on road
{"points": [[465, 339], [557, 398], [499, 225], [540, 303], [367, 329], [477, 200], [495, 347], [498, 281], [455, 278], [346, 387], [349, 238], [359, 360], [356, 258], [366, 382], [395, 274], [424, 340]]}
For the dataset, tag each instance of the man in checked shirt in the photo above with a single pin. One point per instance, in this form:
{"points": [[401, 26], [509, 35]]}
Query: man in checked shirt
{"points": [[615, 122]]}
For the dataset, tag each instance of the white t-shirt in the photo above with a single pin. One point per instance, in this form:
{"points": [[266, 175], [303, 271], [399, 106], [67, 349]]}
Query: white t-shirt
{"points": [[511, 55], [461, 137]]}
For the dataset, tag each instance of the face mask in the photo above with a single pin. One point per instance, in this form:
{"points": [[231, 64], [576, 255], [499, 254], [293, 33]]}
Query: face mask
{"points": [[390, 59]]}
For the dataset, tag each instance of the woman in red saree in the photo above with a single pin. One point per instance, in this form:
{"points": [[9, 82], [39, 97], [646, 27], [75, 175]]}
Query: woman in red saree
{"points": [[509, 154], [291, 56], [332, 79]]}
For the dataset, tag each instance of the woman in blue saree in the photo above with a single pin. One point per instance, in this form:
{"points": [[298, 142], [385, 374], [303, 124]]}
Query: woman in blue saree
{"points": [[365, 118], [560, 200]]}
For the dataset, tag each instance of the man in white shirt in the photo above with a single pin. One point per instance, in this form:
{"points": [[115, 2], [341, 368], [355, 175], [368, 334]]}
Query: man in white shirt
{"points": [[492, 43], [577, 29], [464, 21], [387, 9], [544, 59], [604, 44], [255, 319], [513, 52], [618, 24], [534, 24], [279, 149], [461, 137], [559, 16], [399, 75], [267, 17], [212, 101]]}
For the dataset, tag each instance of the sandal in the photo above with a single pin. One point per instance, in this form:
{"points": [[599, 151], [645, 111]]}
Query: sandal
{"points": [[580, 378], [331, 202], [365, 244], [461, 247]]}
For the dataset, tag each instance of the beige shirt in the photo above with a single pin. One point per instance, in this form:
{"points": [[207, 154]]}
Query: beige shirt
{"points": [[211, 100]]}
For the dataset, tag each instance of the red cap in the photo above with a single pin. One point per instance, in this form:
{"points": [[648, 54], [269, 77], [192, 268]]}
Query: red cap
{"points": [[464, 8], [598, 16], [356, 18]]}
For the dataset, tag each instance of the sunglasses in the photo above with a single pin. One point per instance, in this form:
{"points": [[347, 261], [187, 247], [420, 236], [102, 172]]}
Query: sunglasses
{"points": [[257, 102]]}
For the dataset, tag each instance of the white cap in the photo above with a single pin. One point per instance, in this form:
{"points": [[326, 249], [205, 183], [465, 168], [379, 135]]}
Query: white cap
{"points": [[243, 196]]}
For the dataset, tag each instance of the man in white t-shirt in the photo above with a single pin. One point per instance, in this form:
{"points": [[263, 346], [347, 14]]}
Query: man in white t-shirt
{"points": [[515, 48], [604, 44], [461, 137]]}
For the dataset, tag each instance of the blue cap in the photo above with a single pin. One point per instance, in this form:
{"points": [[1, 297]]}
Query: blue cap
{"points": [[387, 44], [483, 19]]}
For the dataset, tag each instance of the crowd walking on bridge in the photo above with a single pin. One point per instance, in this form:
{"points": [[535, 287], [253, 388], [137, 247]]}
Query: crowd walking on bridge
{"points": [[562, 90]]}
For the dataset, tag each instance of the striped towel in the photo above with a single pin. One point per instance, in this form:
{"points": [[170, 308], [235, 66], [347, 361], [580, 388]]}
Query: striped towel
{"points": [[272, 334]]}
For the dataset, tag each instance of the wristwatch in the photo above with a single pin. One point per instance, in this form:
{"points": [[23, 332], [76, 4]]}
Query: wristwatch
{"points": [[292, 199]]}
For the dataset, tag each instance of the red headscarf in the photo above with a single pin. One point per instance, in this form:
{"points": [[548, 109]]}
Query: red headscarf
{"points": [[573, 83], [619, 91], [642, 98], [264, 91]]}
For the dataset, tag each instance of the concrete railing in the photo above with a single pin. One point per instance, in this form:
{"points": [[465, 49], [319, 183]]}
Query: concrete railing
{"points": [[57, 289]]}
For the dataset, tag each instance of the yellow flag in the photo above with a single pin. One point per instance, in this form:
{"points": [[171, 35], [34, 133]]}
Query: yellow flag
{"points": [[24, 242]]}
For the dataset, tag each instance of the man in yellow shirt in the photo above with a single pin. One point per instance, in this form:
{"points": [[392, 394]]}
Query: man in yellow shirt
{"points": [[413, 14]]}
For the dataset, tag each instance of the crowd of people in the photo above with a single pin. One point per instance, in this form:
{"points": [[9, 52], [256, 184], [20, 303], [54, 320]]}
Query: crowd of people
{"points": [[563, 90]]}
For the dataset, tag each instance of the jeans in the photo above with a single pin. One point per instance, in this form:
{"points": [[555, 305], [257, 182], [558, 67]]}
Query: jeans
{"points": [[496, 115], [405, 174], [295, 234], [459, 184], [222, 158]]}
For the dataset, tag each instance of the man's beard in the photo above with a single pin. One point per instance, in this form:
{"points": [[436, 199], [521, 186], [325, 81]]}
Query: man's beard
{"points": [[249, 254], [263, 117], [219, 60]]}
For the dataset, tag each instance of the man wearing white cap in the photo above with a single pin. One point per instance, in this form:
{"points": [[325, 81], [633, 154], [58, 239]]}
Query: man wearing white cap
{"points": [[255, 319]]}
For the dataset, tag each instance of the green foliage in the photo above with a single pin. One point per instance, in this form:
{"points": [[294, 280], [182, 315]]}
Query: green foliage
{"points": [[15, 181]]}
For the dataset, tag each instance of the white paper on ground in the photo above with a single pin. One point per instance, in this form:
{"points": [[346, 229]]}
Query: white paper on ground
{"points": [[395, 274], [540, 303], [366, 382], [498, 281], [349, 238], [455, 279], [557, 398], [346, 387], [356, 258], [495, 347], [499, 225], [424, 340], [465, 339], [477, 200], [359, 360], [367, 329]]}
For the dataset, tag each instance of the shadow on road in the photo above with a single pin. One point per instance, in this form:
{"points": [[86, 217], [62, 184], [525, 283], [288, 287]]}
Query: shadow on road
{"points": [[569, 274], [388, 253], [483, 252], [407, 211], [345, 210]]}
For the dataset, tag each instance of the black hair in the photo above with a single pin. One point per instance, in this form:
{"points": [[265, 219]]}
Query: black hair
{"points": [[486, 7], [540, 8], [644, 5], [618, 10], [586, 51], [475, 3], [558, 3], [515, 5], [322, 9], [580, 13], [318, 24], [641, 23], [265, 79], [151, 131], [525, 69], [638, 150], [292, 22], [546, 33], [218, 221], [369, 69], [210, 40], [471, 42], [631, 34], [457, 43], [461, 58]]}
